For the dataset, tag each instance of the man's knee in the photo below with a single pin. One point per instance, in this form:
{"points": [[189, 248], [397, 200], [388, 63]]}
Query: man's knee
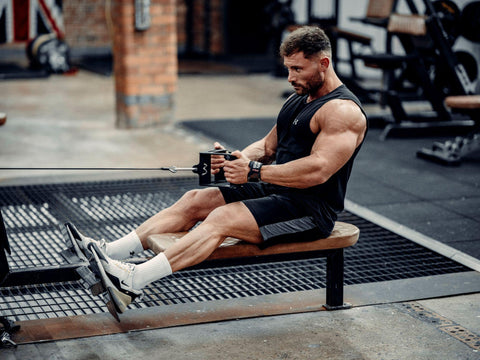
{"points": [[200, 202], [201, 197], [220, 215], [234, 220]]}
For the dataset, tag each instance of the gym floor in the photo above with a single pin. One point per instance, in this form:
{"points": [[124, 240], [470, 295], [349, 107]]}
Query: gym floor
{"points": [[68, 121]]}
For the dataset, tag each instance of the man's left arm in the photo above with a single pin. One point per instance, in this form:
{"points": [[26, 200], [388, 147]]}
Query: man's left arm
{"points": [[341, 127]]}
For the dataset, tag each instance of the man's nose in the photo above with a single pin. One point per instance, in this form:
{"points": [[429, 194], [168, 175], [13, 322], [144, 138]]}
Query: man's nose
{"points": [[291, 77]]}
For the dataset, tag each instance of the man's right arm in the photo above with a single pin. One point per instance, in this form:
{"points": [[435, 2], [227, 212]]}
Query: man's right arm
{"points": [[263, 150]]}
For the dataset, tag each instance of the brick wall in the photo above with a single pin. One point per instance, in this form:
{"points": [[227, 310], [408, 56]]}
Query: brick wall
{"points": [[145, 64], [215, 19], [85, 23], [181, 24]]}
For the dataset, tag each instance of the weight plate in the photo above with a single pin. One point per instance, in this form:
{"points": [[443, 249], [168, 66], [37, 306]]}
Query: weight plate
{"points": [[470, 21]]}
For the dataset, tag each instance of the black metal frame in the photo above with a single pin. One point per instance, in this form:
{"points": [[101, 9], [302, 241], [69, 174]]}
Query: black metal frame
{"points": [[335, 275], [4, 247], [460, 82], [9, 326], [435, 38], [334, 278], [29, 276]]}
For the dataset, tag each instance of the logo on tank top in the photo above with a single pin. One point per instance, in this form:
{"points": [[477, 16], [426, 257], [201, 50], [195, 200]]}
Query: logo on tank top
{"points": [[295, 122]]}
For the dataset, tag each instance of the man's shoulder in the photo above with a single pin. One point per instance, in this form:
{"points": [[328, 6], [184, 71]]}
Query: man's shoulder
{"points": [[339, 112], [342, 107]]}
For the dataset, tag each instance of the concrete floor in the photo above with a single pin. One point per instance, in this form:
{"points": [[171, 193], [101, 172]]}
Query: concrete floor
{"points": [[386, 331], [66, 121]]}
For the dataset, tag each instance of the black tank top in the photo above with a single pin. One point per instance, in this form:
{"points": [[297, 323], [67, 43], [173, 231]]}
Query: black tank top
{"points": [[295, 140]]}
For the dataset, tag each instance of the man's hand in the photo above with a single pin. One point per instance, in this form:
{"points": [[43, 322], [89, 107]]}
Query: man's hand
{"points": [[236, 171], [217, 161]]}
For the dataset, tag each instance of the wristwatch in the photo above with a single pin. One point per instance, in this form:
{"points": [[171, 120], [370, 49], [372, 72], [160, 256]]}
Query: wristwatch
{"points": [[254, 173]]}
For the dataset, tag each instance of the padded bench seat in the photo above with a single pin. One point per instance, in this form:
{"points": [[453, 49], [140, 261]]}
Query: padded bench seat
{"points": [[343, 235], [463, 102]]}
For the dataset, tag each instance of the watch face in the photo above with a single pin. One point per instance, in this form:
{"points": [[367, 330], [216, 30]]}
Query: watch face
{"points": [[254, 173]]}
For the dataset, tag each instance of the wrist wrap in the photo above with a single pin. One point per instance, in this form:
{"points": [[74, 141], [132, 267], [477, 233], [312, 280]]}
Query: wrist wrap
{"points": [[254, 173]]}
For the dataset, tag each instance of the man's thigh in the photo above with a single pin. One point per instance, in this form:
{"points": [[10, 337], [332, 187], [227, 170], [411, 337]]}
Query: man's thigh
{"points": [[282, 220], [235, 220], [243, 192], [278, 218]]}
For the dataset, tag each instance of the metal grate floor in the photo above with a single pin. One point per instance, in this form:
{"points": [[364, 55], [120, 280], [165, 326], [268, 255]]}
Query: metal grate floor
{"points": [[110, 209]]}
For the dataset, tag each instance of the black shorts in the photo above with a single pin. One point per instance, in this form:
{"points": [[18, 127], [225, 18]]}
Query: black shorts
{"points": [[280, 215]]}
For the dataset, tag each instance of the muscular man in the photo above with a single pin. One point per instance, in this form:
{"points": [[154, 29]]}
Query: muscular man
{"points": [[303, 163]]}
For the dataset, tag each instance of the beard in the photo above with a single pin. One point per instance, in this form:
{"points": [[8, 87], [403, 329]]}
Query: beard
{"points": [[310, 88]]}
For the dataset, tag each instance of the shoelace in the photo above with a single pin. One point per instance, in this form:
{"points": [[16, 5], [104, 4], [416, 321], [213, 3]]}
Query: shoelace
{"points": [[100, 243], [129, 268], [123, 265]]}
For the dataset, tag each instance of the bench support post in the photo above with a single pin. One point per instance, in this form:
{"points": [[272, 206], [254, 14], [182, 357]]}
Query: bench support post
{"points": [[335, 281]]}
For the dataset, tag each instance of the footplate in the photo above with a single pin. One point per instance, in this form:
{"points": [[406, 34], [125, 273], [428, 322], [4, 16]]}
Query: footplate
{"points": [[109, 291], [74, 256], [87, 269]]}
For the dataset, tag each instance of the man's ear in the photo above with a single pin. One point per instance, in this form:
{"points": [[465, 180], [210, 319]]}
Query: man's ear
{"points": [[325, 62]]}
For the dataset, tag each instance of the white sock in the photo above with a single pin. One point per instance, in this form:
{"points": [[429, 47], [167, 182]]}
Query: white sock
{"points": [[151, 270], [125, 247]]}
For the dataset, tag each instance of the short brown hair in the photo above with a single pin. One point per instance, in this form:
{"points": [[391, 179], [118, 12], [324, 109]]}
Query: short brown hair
{"points": [[311, 40]]}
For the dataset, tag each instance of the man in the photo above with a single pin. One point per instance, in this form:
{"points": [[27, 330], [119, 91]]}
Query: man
{"points": [[318, 133]]}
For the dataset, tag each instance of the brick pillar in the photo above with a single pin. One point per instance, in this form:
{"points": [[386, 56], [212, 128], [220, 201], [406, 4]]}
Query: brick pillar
{"points": [[145, 64]]}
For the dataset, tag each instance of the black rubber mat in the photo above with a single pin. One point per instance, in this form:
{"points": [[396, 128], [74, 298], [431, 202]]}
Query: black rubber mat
{"points": [[98, 64], [34, 214], [232, 133], [12, 71]]}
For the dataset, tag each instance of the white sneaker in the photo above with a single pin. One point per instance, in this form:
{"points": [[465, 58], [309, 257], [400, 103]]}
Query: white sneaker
{"points": [[84, 241], [118, 279]]}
